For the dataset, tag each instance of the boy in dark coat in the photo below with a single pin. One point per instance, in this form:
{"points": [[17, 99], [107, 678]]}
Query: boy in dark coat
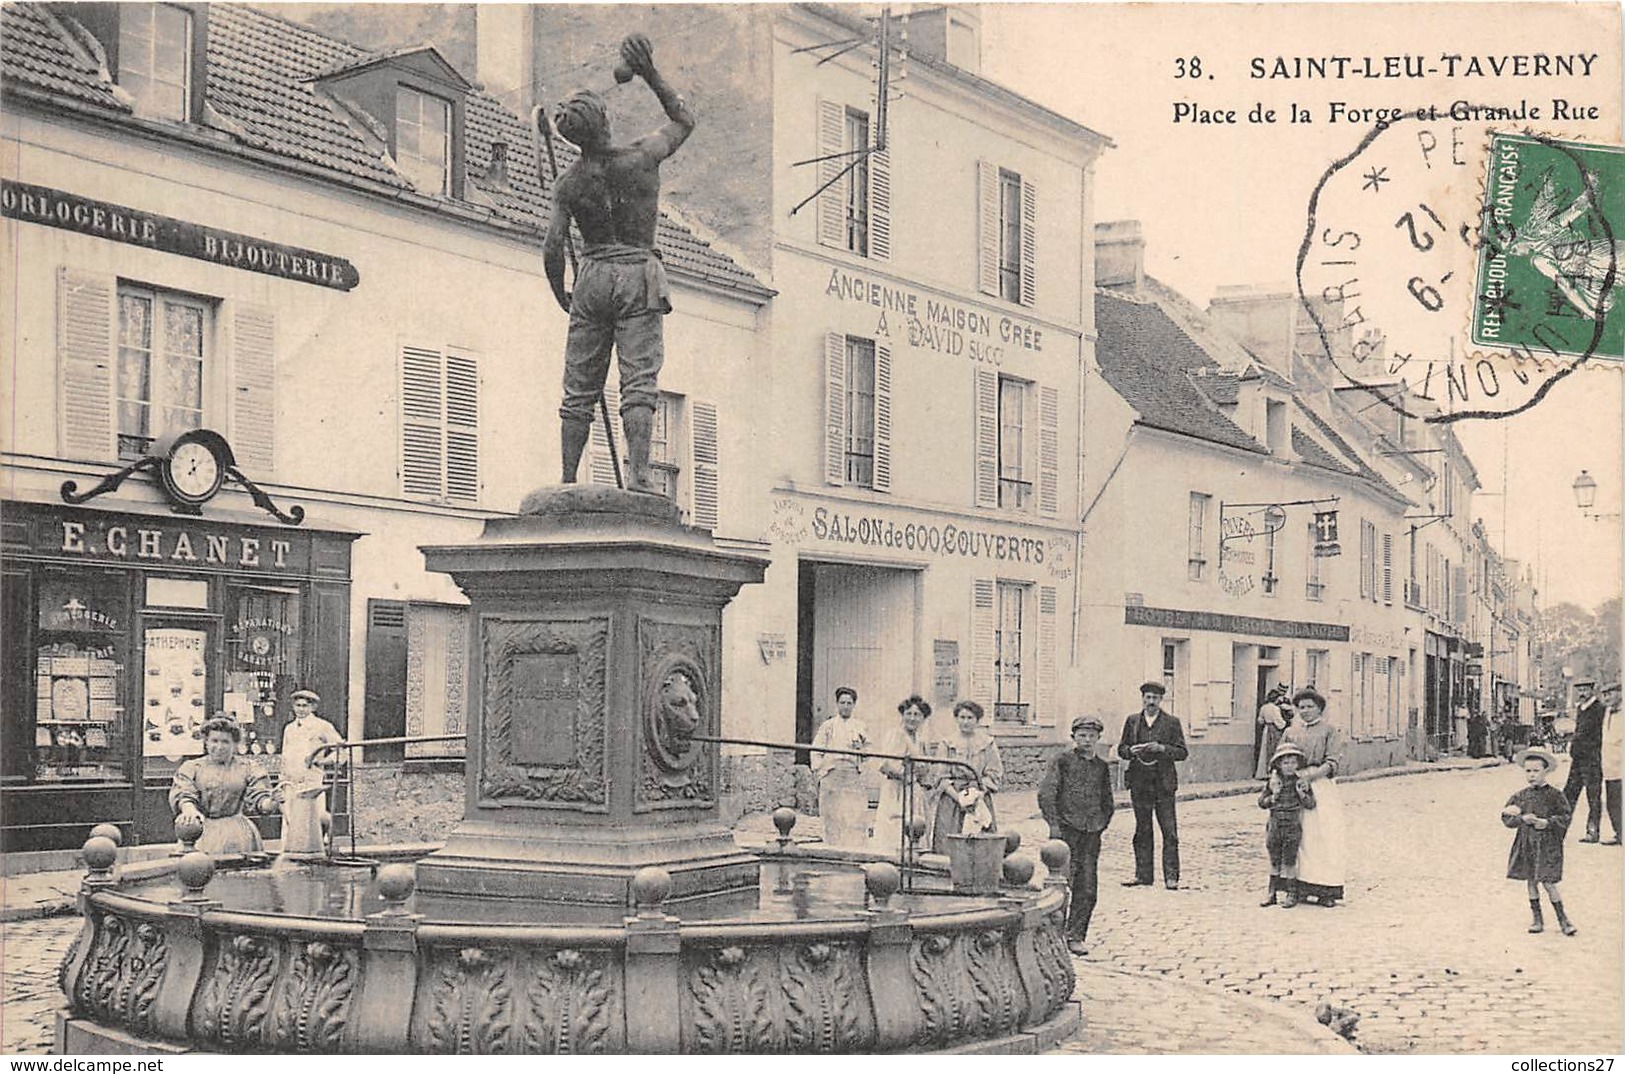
{"points": [[1286, 797], [1075, 797], [1540, 816]]}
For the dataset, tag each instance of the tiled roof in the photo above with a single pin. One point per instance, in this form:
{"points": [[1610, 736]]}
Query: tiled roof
{"points": [[262, 84], [1351, 456], [1223, 388], [1312, 453], [1144, 356]]}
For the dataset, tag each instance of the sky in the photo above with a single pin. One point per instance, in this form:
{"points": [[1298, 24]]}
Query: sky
{"points": [[1226, 204]]}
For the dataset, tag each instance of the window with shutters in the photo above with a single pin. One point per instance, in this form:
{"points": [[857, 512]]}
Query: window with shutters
{"points": [[854, 175], [1369, 586], [155, 43], [1387, 568], [1313, 587], [1318, 663], [417, 678], [1015, 484], [1196, 538], [1010, 701], [440, 425], [665, 469], [163, 343], [1010, 235], [856, 184], [1007, 234], [1269, 581], [860, 410], [423, 130]]}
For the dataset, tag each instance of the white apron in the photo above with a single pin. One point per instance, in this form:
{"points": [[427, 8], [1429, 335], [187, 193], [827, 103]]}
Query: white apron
{"points": [[1322, 857]]}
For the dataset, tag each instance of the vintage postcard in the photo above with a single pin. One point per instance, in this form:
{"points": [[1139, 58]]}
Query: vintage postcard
{"points": [[1086, 529]]}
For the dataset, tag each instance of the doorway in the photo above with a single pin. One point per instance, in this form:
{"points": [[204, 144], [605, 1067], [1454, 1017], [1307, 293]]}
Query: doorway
{"points": [[858, 627]]}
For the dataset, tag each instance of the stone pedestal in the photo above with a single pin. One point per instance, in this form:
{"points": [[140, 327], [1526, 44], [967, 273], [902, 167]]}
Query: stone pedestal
{"points": [[595, 655]]}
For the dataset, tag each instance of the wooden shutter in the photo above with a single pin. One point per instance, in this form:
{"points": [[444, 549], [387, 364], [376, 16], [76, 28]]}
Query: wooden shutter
{"points": [[981, 643], [880, 205], [422, 417], [1387, 568], [1366, 553], [462, 427], [602, 466], [704, 443], [1029, 242], [834, 408], [1049, 451], [1049, 700], [987, 228], [882, 471], [831, 140], [987, 438], [86, 325], [384, 715], [253, 402], [1459, 597]]}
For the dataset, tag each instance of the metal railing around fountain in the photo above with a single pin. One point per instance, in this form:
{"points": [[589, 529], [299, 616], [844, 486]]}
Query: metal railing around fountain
{"points": [[338, 775]]}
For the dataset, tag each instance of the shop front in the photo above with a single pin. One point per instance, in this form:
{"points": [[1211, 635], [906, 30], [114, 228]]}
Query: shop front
{"points": [[123, 632]]}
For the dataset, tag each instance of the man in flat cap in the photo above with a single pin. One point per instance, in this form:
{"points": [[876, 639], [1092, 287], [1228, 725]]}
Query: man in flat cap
{"points": [[1152, 741], [304, 806], [1585, 758], [1075, 797], [612, 192]]}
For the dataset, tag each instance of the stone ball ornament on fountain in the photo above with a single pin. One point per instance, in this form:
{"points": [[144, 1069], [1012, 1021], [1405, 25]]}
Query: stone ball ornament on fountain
{"points": [[188, 830], [108, 831], [881, 880], [194, 871], [99, 854], [1018, 870]]}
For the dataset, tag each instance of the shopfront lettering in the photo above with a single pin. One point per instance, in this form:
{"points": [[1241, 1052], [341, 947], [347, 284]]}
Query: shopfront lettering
{"points": [[118, 223], [1224, 623], [948, 539], [937, 325], [175, 545]]}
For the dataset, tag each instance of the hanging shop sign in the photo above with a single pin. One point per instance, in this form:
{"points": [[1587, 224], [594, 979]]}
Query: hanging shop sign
{"points": [[1221, 622], [119, 223], [1326, 534]]}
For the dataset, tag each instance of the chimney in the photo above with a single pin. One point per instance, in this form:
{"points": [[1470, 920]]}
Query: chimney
{"points": [[952, 34], [1264, 320], [1119, 255], [504, 61]]}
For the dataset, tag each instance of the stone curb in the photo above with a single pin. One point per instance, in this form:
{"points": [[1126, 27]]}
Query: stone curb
{"points": [[1319, 1039]]}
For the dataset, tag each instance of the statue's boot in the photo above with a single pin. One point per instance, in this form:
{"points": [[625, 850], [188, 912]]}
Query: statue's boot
{"points": [[573, 441], [638, 424]]}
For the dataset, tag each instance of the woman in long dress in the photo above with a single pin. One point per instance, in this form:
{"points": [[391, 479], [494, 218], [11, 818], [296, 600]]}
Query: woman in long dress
{"points": [[888, 833], [1274, 716], [956, 794], [219, 787], [1322, 858]]}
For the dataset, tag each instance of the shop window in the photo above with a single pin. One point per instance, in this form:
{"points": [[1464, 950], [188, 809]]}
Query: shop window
{"points": [[1015, 489], [1007, 232], [155, 46], [162, 355], [423, 126], [440, 425], [1196, 537], [1011, 703], [80, 681], [264, 654]]}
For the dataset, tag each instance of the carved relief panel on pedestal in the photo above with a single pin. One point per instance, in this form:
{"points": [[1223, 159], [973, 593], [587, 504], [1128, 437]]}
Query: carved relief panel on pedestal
{"points": [[545, 714], [679, 699]]}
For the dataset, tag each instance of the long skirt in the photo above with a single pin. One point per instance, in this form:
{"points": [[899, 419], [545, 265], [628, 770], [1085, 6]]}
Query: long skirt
{"points": [[888, 834], [304, 814], [235, 834], [1266, 749], [843, 806], [1322, 858]]}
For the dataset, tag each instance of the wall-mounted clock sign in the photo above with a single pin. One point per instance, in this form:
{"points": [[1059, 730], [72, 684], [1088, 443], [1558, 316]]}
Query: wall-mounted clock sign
{"points": [[192, 467]]}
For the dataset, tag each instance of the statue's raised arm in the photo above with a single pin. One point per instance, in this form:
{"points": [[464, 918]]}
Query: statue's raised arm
{"points": [[637, 58]]}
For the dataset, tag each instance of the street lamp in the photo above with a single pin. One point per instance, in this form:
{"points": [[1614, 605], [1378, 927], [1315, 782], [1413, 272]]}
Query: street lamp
{"points": [[1585, 496]]}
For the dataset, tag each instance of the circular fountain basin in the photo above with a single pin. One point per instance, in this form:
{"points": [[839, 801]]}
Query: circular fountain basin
{"points": [[313, 958]]}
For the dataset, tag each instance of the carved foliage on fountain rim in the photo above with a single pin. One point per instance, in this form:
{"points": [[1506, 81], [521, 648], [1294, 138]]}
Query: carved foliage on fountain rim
{"points": [[312, 1007], [275, 993], [582, 782], [793, 997], [564, 1001], [969, 985], [1056, 974], [122, 973], [678, 664]]}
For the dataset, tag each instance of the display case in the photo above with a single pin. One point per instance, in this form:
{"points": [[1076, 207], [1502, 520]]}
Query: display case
{"points": [[80, 680]]}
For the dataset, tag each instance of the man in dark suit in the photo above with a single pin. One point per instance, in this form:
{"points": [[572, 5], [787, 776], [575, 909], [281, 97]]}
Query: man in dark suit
{"points": [[1152, 741], [1585, 758]]}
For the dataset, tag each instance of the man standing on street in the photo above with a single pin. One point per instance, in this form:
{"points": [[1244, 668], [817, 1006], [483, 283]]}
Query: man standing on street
{"points": [[843, 801], [1585, 758], [1152, 741], [304, 784], [1075, 797], [1613, 745]]}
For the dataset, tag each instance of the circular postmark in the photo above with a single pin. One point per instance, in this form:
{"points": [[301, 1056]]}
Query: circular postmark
{"points": [[1455, 271]]}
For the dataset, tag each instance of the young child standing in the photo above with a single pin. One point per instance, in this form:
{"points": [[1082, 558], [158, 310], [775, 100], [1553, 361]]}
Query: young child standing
{"points": [[1286, 797], [1539, 815], [1075, 797]]}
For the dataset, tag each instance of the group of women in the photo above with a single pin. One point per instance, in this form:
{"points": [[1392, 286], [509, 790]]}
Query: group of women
{"points": [[952, 798]]}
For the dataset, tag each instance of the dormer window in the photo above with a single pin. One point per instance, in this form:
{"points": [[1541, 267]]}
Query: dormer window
{"points": [[155, 48], [423, 125]]}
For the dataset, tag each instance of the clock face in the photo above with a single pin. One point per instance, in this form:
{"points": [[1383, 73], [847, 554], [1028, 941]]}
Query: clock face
{"points": [[194, 471]]}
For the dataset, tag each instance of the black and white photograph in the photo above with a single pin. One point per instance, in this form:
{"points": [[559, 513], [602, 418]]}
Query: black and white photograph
{"points": [[1074, 529]]}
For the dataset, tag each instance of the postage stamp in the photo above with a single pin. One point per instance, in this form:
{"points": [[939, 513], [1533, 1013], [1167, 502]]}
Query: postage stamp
{"points": [[1548, 266]]}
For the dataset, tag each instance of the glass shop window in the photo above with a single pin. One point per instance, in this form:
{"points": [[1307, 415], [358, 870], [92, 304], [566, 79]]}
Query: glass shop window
{"points": [[263, 650], [80, 683]]}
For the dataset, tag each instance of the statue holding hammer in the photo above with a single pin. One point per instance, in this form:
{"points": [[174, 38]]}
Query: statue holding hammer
{"points": [[612, 192]]}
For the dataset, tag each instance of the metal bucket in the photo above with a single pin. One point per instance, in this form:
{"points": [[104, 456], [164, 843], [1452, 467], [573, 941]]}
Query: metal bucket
{"points": [[975, 861]]}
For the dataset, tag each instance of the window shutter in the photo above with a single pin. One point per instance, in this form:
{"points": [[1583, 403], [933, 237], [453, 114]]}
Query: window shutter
{"points": [[1365, 560], [1049, 699], [603, 466], [987, 228], [1029, 242], [987, 438], [1387, 568], [87, 316], [253, 409], [831, 138], [981, 643], [462, 427], [384, 713], [834, 408], [880, 205], [882, 473], [1049, 451], [704, 443], [1459, 609], [422, 412]]}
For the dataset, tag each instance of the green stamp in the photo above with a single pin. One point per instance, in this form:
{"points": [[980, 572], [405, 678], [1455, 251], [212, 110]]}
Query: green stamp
{"points": [[1549, 266]]}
